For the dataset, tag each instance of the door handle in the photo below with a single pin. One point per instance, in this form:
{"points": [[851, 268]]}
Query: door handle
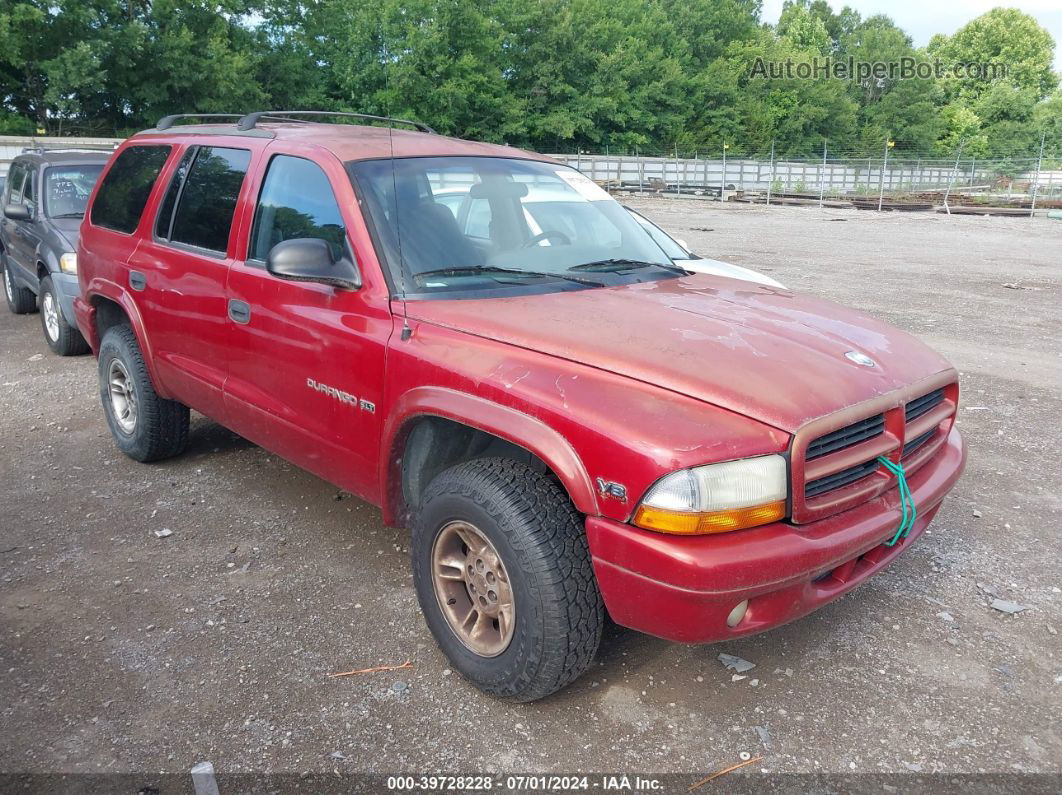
{"points": [[239, 312], [137, 280]]}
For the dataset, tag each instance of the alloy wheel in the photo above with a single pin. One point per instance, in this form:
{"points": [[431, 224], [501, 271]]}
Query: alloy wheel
{"points": [[51, 316], [473, 589], [123, 397]]}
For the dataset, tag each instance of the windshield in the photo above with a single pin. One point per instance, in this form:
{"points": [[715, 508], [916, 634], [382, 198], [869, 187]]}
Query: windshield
{"points": [[67, 189], [469, 223]]}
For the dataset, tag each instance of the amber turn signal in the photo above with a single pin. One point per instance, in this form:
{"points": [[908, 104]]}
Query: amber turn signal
{"points": [[692, 524]]}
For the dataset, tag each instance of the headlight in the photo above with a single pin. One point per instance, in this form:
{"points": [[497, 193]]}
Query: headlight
{"points": [[717, 498], [68, 263]]}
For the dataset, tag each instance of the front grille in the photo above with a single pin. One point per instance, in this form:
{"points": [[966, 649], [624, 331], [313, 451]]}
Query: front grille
{"points": [[919, 406], [917, 442], [838, 479], [846, 437], [834, 482]]}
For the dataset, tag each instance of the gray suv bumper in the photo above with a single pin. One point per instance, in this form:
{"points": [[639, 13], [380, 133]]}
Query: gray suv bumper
{"points": [[66, 289]]}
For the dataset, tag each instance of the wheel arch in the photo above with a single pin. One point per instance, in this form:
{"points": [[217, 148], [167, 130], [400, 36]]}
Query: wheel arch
{"points": [[432, 428], [109, 310]]}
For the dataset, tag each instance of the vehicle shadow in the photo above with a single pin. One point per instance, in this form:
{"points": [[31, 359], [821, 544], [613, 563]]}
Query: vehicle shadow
{"points": [[207, 437]]}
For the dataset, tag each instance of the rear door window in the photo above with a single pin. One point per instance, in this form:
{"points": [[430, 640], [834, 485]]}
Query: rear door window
{"points": [[206, 199], [296, 201], [125, 190], [164, 223]]}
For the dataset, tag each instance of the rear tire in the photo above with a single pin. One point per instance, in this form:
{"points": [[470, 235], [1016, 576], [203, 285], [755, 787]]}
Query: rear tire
{"points": [[145, 426], [61, 337], [535, 550], [20, 300]]}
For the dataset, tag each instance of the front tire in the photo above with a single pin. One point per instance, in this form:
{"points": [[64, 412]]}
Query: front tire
{"points": [[503, 575], [61, 337], [145, 426], [20, 300]]}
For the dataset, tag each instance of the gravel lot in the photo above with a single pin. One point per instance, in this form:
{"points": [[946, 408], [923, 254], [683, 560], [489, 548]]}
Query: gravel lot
{"points": [[124, 652]]}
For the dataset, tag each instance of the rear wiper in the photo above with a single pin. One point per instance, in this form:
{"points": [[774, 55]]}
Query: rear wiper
{"points": [[491, 269], [619, 265]]}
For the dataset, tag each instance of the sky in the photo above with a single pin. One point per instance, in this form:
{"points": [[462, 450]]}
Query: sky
{"points": [[922, 19]]}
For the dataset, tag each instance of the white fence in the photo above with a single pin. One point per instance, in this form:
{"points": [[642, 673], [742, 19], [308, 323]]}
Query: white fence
{"points": [[847, 176], [11, 146]]}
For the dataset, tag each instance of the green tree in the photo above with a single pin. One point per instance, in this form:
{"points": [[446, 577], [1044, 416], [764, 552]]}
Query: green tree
{"points": [[440, 61], [797, 114], [1047, 117], [905, 110], [961, 128], [805, 28], [1007, 39], [73, 77], [620, 81], [707, 27]]}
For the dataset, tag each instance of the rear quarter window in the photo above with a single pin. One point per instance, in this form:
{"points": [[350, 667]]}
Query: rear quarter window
{"points": [[124, 192]]}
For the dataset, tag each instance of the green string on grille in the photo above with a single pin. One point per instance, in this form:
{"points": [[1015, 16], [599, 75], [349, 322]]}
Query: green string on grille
{"points": [[906, 500]]}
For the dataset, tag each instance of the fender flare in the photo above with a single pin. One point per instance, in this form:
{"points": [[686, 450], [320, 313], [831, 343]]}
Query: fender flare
{"points": [[44, 255], [476, 412], [41, 262], [110, 291]]}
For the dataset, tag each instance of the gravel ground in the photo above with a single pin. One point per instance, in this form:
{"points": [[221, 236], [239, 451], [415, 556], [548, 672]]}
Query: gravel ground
{"points": [[124, 652]]}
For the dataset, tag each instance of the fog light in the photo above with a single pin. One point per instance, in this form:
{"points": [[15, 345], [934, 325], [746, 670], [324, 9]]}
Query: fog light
{"points": [[737, 614]]}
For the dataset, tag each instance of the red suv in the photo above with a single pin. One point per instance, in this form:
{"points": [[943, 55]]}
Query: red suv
{"points": [[482, 342]]}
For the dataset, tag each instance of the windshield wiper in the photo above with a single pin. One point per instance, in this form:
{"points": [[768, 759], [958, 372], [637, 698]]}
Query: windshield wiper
{"points": [[67, 215], [491, 269], [619, 265]]}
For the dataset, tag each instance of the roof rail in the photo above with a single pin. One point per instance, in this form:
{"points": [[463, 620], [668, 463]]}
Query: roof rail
{"points": [[167, 121], [249, 121]]}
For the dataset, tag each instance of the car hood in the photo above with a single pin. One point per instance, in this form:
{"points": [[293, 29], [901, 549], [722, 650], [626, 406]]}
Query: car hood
{"points": [[68, 230], [762, 352]]}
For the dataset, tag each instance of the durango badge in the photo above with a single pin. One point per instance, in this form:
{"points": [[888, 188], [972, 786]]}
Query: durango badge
{"points": [[331, 391]]}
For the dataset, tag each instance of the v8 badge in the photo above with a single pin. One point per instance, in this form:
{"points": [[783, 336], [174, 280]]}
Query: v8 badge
{"points": [[609, 488]]}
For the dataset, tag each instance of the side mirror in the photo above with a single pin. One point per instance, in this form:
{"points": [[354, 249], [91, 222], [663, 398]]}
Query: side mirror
{"points": [[309, 259], [17, 212], [682, 243]]}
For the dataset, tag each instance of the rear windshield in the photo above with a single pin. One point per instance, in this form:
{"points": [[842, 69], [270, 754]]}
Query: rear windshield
{"points": [[67, 189], [468, 223]]}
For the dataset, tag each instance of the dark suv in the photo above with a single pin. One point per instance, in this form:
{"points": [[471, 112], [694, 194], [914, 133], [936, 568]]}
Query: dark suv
{"points": [[43, 204]]}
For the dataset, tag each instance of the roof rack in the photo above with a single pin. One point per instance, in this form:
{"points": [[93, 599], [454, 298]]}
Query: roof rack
{"points": [[168, 121], [249, 121]]}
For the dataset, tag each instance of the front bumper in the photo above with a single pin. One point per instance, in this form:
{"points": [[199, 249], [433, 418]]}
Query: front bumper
{"points": [[66, 290], [683, 589]]}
